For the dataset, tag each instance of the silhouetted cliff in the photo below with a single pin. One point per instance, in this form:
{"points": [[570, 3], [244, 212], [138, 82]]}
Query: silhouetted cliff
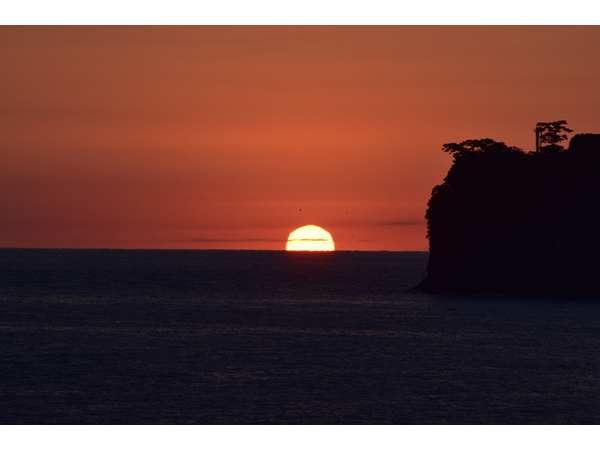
{"points": [[518, 223]]}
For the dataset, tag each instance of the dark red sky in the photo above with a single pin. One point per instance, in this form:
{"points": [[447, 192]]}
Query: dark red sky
{"points": [[231, 137]]}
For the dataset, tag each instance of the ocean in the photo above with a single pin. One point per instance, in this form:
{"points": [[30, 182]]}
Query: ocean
{"points": [[275, 337]]}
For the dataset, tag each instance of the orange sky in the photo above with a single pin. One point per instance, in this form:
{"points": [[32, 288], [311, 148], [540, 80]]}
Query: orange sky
{"points": [[231, 137]]}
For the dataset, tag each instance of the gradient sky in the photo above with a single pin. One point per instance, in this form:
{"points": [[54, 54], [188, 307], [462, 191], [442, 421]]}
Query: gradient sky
{"points": [[232, 137]]}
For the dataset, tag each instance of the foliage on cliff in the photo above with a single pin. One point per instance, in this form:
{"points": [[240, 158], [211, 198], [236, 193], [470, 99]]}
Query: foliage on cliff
{"points": [[519, 223]]}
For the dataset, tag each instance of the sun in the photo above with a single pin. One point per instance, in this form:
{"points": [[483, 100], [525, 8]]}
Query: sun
{"points": [[310, 238]]}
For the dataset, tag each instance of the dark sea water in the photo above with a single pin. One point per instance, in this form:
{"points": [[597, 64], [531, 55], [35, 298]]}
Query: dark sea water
{"points": [[267, 337]]}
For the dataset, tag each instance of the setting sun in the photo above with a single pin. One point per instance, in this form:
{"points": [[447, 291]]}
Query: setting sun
{"points": [[310, 238]]}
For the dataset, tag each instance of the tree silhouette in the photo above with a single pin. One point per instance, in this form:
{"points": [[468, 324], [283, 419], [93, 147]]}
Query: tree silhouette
{"points": [[478, 146], [551, 133]]}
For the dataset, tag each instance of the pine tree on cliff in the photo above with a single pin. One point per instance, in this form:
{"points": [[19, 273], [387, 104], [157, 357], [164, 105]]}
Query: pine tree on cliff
{"points": [[549, 134]]}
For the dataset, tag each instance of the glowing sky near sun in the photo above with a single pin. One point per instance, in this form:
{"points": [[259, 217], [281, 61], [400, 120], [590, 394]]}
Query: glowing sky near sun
{"points": [[232, 137]]}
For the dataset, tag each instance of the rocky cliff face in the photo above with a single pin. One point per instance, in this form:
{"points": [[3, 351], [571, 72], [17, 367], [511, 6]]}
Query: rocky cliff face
{"points": [[518, 223]]}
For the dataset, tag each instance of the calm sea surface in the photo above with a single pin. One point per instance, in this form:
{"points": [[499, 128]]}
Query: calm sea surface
{"points": [[267, 337]]}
